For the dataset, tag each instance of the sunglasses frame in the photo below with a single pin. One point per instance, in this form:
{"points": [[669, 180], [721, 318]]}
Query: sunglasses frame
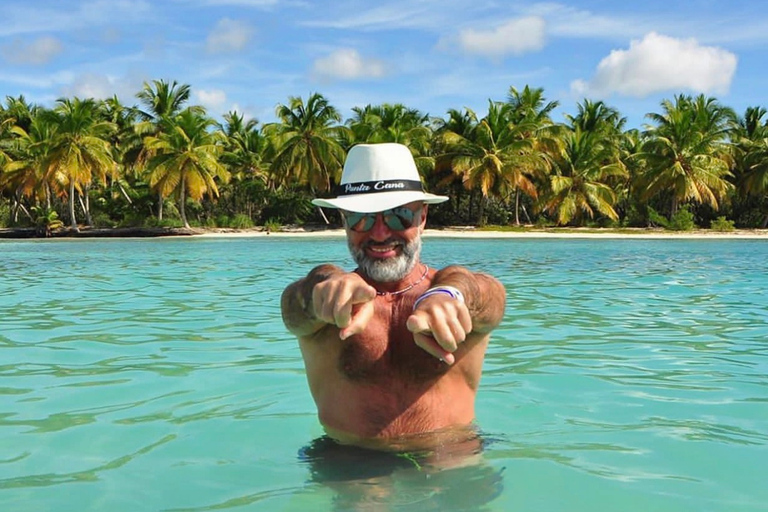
{"points": [[391, 217]]}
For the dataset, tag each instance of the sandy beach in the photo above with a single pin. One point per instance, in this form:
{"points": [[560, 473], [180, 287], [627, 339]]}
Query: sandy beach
{"points": [[458, 232], [450, 232]]}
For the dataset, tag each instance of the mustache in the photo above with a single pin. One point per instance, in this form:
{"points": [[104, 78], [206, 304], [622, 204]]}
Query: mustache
{"points": [[389, 241]]}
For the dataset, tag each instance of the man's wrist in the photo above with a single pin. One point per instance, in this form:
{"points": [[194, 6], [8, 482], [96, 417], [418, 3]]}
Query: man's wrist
{"points": [[451, 291]]}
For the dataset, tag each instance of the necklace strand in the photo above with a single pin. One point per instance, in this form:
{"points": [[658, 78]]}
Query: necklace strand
{"points": [[398, 292]]}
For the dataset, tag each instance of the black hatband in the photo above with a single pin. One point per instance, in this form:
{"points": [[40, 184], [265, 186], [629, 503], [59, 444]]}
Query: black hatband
{"points": [[371, 187]]}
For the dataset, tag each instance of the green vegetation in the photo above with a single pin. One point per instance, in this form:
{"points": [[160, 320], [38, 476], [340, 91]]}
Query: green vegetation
{"points": [[722, 224], [163, 162]]}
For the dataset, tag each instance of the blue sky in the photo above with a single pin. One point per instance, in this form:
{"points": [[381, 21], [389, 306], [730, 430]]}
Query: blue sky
{"points": [[432, 55]]}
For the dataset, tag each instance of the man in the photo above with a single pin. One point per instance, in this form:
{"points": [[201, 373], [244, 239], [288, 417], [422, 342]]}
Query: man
{"points": [[394, 349]]}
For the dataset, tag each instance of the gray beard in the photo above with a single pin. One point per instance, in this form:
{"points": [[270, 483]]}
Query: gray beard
{"points": [[391, 269]]}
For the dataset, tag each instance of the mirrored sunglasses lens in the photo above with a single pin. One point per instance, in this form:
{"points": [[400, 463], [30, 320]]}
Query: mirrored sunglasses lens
{"points": [[359, 221], [399, 219]]}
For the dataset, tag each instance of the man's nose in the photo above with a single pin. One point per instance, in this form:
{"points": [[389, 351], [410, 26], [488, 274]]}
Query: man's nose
{"points": [[380, 230]]}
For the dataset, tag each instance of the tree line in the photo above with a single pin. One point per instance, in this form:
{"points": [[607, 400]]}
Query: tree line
{"points": [[164, 162]]}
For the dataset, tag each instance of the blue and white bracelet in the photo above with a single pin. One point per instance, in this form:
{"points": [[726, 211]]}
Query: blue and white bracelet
{"points": [[447, 290]]}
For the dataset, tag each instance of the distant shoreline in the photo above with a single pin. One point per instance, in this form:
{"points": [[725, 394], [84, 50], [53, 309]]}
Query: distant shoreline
{"points": [[450, 232]]}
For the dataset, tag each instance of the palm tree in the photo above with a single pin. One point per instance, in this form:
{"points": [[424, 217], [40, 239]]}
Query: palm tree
{"points": [[578, 185], [162, 102], [596, 116], [461, 123], [20, 110], [529, 105], [6, 124], [185, 160], [245, 156], [25, 174], [685, 155], [494, 158], [307, 143], [750, 156], [80, 152], [126, 143], [16, 113], [390, 123], [530, 110]]}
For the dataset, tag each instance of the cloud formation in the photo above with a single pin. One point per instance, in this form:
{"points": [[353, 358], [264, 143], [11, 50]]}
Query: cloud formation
{"points": [[213, 100], [101, 86], [229, 36], [35, 53], [514, 37], [347, 64], [658, 63]]}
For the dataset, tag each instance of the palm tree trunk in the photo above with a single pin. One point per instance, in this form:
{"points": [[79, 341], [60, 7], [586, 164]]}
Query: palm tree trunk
{"points": [[182, 201], [16, 207], [517, 207], [527, 216], [322, 213], [160, 207], [481, 211], [86, 206], [88, 217], [73, 221]]}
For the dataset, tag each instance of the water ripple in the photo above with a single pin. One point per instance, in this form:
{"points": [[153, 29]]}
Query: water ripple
{"points": [[156, 374]]}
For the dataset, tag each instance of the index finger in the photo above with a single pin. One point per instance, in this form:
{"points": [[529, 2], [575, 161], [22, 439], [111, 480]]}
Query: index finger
{"points": [[361, 293]]}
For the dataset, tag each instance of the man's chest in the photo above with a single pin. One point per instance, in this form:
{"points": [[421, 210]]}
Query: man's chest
{"points": [[386, 350]]}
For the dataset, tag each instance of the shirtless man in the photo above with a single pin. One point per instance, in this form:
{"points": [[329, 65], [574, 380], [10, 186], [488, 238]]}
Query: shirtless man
{"points": [[394, 349]]}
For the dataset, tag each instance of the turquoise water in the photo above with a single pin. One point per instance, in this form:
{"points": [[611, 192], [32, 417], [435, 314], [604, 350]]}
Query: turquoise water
{"points": [[156, 375]]}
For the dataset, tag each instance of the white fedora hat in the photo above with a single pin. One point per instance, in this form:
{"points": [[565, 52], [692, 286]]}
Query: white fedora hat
{"points": [[378, 177]]}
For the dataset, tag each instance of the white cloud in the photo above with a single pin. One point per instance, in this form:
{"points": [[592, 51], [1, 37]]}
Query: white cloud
{"points": [[229, 36], [347, 64], [35, 53], [25, 17], [659, 63], [242, 3], [568, 21], [213, 100], [514, 37], [379, 16], [100, 86]]}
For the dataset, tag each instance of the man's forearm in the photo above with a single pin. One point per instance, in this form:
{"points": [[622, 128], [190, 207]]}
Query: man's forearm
{"points": [[296, 301]]}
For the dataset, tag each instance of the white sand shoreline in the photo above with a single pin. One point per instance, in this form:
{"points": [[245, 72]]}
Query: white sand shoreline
{"points": [[482, 234], [451, 232]]}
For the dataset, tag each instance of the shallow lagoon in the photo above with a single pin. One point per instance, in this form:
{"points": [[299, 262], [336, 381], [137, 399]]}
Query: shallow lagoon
{"points": [[157, 375]]}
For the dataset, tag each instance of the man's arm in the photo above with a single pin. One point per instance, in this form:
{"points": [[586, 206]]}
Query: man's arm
{"points": [[327, 295], [440, 322], [484, 295]]}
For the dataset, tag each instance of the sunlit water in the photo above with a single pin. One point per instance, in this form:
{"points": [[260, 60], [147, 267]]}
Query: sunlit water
{"points": [[141, 375]]}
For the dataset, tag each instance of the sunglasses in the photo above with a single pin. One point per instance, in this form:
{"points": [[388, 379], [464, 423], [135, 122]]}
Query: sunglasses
{"points": [[396, 219]]}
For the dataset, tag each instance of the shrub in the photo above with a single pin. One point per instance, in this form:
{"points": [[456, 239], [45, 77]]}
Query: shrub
{"points": [[657, 219], [722, 224], [102, 220], [272, 225], [152, 222], [222, 221], [132, 220], [5, 216], [682, 220], [241, 221]]}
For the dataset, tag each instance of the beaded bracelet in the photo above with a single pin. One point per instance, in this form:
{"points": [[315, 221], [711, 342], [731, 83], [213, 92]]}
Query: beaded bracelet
{"points": [[448, 290]]}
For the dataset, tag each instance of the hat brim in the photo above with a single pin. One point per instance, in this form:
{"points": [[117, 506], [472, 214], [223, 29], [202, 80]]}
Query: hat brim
{"points": [[371, 203]]}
